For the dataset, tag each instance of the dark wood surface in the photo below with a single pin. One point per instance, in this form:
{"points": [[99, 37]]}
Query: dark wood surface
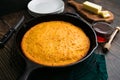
{"points": [[11, 72]]}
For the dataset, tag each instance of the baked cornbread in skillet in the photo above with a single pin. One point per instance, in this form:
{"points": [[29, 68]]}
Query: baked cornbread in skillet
{"points": [[55, 43]]}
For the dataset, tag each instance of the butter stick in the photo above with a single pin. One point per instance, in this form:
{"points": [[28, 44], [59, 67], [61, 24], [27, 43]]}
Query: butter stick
{"points": [[92, 7], [104, 14]]}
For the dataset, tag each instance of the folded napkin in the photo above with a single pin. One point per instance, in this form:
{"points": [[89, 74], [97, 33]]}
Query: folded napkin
{"points": [[92, 72]]}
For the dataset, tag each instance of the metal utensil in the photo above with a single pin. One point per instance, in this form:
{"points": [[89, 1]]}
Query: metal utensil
{"points": [[8, 35]]}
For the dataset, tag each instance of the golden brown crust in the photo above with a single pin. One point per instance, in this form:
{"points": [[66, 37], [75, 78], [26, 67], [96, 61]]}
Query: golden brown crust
{"points": [[55, 43]]}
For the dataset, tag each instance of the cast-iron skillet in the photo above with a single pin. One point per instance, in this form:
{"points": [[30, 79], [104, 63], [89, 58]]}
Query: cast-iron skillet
{"points": [[51, 17]]}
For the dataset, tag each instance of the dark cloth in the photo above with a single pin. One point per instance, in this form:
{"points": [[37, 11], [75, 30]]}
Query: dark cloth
{"points": [[92, 72]]}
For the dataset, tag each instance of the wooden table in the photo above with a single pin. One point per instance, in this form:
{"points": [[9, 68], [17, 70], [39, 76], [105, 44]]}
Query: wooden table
{"points": [[8, 71]]}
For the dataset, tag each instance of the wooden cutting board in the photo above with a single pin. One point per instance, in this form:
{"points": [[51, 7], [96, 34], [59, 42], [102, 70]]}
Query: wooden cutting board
{"points": [[91, 17]]}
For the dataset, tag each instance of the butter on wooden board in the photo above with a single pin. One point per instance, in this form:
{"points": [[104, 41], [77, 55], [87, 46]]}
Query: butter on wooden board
{"points": [[92, 7], [104, 15], [96, 9]]}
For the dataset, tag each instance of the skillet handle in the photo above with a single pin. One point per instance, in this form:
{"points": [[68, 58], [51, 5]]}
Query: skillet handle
{"points": [[25, 74], [30, 67]]}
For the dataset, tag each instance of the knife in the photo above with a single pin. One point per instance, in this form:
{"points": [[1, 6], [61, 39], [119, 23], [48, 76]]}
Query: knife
{"points": [[11, 31]]}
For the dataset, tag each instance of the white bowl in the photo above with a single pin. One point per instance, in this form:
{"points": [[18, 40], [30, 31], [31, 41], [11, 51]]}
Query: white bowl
{"points": [[38, 7]]}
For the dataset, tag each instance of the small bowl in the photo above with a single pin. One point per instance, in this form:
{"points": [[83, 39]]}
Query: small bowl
{"points": [[40, 7], [103, 31]]}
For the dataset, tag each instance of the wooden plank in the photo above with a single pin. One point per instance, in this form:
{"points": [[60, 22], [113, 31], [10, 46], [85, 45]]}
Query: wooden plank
{"points": [[112, 58], [113, 67]]}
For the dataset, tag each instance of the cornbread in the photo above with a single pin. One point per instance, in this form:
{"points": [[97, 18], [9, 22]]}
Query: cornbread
{"points": [[55, 43]]}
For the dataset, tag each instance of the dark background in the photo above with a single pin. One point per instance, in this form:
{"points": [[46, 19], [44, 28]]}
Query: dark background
{"points": [[8, 6]]}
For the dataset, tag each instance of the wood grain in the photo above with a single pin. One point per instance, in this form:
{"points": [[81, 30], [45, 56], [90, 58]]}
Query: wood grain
{"points": [[8, 71]]}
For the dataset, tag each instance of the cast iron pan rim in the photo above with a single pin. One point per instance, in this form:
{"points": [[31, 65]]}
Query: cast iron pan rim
{"points": [[67, 15]]}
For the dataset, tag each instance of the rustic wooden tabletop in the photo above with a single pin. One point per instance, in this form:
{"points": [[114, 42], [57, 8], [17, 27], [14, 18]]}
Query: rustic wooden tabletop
{"points": [[8, 71]]}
